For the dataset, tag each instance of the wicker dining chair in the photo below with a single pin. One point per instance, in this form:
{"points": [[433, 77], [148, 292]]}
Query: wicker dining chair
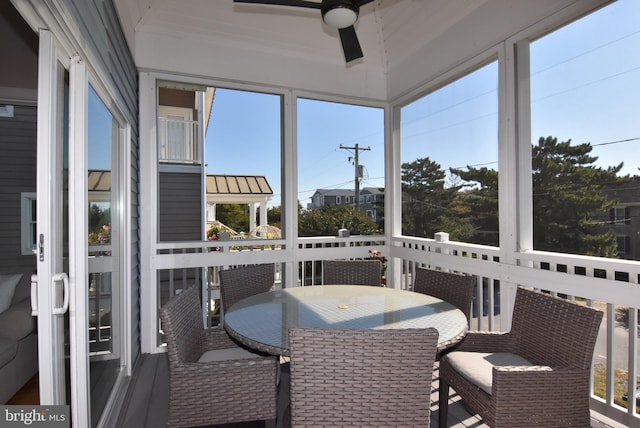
{"points": [[350, 378], [353, 272], [212, 380], [454, 288], [537, 374], [238, 283]]}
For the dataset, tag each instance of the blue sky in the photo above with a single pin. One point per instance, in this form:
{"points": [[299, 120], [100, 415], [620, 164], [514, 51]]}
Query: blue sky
{"points": [[585, 86]]}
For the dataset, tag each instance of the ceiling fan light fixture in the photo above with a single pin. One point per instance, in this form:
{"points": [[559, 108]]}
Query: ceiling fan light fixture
{"points": [[340, 15]]}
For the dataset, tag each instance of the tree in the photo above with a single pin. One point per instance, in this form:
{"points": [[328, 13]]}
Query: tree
{"points": [[568, 197], [326, 221], [426, 201], [235, 216], [477, 204], [274, 216]]}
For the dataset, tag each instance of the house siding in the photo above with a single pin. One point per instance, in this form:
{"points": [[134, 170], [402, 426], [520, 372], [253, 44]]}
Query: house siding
{"points": [[17, 174], [180, 207]]}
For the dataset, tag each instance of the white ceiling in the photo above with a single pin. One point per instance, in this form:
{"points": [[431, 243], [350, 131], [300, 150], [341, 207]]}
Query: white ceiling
{"points": [[403, 41]]}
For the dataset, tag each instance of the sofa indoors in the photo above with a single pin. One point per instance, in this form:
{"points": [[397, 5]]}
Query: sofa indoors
{"points": [[18, 338]]}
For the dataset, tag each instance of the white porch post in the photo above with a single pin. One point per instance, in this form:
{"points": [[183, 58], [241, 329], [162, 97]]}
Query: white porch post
{"points": [[252, 215], [263, 212]]}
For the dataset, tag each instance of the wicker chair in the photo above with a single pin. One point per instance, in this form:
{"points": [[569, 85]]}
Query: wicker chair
{"points": [[236, 284], [451, 287], [350, 378], [211, 379], [537, 374], [354, 272]]}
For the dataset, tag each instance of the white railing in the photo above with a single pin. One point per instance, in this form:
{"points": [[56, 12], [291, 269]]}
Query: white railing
{"points": [[605, 283], [178, 141]]}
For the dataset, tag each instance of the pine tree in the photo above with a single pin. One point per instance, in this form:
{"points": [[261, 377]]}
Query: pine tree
{"points": [[426, 200]]}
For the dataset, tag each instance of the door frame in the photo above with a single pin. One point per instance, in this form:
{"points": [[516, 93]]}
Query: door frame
{"points": [[58, 48], [49, 222]]}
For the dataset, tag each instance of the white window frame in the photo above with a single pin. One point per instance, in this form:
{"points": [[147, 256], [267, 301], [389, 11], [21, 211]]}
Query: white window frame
{"points": [[619, 216], [338, 200], [27, 238]]}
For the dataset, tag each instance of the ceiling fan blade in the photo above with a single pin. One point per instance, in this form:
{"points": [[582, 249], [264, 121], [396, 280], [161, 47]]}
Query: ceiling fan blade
{"points": [[295, 3], [363, 2], [350, 44]]}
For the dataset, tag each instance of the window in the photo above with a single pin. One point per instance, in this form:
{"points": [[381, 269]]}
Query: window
{"points": [[623, 243], [346, 157], [243, 157], [28, 222], [449, 155], [620, 216], [585, 78]]}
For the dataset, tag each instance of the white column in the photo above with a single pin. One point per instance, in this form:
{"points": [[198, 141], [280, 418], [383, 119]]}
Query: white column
{"points": [[263, 213], [252, 216]]}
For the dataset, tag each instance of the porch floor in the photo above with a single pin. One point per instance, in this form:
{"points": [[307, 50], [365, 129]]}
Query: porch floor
{"points": [[148, 396]]}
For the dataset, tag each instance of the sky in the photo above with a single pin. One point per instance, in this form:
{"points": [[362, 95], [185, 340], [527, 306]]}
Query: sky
{"points": [[585, 86]]}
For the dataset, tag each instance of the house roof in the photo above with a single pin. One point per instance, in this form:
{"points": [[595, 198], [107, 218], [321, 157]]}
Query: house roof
{"points": [[238, 185], [334, 192], [99, 181]]}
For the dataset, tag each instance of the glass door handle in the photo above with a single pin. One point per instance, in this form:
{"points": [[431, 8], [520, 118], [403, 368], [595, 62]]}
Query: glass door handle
{"points": [[34, 295], [61, 277]]}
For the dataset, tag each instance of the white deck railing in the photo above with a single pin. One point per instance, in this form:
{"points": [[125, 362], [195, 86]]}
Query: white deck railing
{"points": [[605, 283], [178, 141]]}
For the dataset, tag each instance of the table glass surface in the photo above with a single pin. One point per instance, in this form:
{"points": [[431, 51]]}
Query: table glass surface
{"points": [[262, 321]]}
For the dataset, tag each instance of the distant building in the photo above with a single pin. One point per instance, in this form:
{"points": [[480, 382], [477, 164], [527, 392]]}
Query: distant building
{"points": [[371, 200], [624, 218]]}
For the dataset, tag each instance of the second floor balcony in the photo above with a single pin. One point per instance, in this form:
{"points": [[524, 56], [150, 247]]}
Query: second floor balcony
{"points": [[178, 141]]}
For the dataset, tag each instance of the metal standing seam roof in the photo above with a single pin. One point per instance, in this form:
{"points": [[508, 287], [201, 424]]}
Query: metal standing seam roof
{"points": [[238, 185], [99, 181]]}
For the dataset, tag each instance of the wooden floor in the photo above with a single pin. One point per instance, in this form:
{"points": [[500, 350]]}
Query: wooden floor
{"points": [[148, 396]]}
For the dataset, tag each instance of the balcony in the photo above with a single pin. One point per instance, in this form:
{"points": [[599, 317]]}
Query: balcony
{"points": [[604, 283], [178, 142]]}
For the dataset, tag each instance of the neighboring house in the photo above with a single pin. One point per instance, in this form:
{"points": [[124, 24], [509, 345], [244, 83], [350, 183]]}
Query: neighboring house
{"points": [[371, 200], [624, 218], [324, 197]]}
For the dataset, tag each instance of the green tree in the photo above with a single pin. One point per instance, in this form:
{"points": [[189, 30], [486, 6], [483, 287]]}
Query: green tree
{"points": [[567, 200], [274, 216], [426, 201], [476, 205], [568, 197], [326, 221], [235, 216]]}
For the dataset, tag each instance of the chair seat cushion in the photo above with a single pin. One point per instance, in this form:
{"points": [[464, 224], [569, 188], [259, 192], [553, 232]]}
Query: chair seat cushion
{"points": [[227, 354], [477, 367]]}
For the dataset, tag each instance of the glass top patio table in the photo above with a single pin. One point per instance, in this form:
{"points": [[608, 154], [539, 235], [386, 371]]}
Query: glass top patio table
{"points": [[262, 321]]}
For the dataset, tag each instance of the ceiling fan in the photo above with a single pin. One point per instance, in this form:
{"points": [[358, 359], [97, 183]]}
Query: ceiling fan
{"points": [[338, 14]]}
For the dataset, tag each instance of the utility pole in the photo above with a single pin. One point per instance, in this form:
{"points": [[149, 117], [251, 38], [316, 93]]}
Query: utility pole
{"points": [[358, 168]]}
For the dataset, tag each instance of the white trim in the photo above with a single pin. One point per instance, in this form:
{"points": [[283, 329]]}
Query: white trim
{"points": [[148, 209], [78, 248], [51, 383]]}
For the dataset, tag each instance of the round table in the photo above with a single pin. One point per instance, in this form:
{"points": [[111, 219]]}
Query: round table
{"points": [[262, 321]]}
